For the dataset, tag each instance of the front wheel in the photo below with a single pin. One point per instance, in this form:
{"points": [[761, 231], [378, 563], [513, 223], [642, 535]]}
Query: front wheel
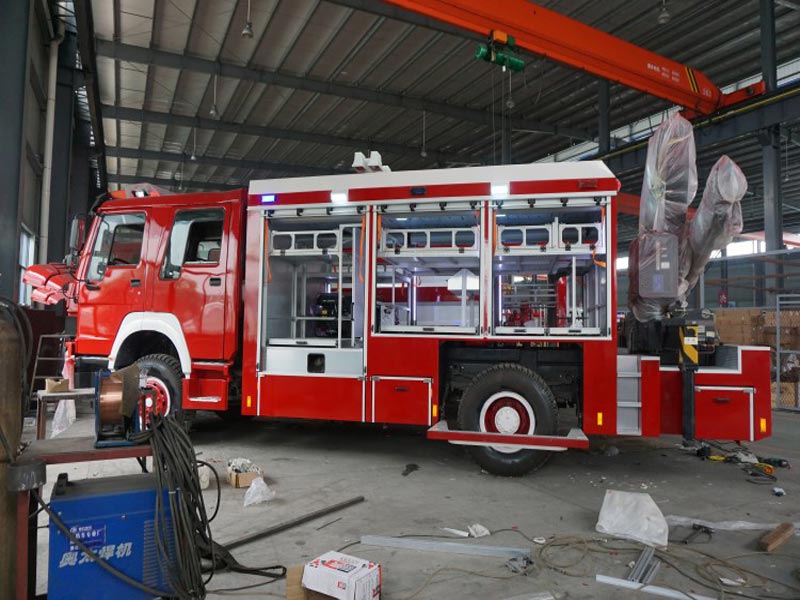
{"points": [[508, 398], [165, 378]]}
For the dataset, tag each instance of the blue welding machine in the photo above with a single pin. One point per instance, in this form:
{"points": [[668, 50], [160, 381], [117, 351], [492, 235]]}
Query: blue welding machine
{"points": [[115, 518]]}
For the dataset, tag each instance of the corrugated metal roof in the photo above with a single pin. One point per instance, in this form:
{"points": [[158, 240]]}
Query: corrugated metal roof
{"points": [[365, 45]]}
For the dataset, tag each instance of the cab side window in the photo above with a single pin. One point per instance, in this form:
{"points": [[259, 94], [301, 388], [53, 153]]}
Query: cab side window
{"points": [[195, 239], [118, 244]]}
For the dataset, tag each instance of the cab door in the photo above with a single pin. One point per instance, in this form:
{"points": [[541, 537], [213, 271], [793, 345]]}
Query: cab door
{"points": [[193, 280], [112, 284]]}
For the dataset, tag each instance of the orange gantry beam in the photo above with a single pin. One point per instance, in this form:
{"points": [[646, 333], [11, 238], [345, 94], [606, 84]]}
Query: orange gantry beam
{"points": [[570, 42]]}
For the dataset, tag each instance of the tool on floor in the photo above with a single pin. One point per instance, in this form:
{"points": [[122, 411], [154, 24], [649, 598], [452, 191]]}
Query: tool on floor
{"points": [[646, 566], [698, 530], [775, 461]]}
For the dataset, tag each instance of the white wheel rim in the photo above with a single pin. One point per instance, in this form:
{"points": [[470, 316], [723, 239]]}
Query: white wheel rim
{"points": [[507, 418]]}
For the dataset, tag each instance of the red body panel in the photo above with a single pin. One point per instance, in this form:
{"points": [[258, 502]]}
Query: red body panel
{"points": [[722, 409], [600, 387], [402, 357], [103, 304], [651, 397], [600, 362], [251, 355], [207, 387], [412, 357], [723, 413], [403, 401], [327, 398], [204, 298]]}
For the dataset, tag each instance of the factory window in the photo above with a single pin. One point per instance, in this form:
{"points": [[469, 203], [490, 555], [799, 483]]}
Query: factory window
{"points": [[118, 244], [27, 246], [196, 238]]}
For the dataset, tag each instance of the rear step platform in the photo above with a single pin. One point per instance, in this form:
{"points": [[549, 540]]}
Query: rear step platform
{"points": [[556, 443]]}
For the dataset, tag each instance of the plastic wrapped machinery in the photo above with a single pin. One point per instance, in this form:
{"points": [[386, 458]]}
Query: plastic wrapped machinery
{"points": [[669, 186], [717, 220], [670, 177]]}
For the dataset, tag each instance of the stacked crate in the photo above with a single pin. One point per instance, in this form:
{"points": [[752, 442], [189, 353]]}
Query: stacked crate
{"points": [[739, 327], [755, 327], [786, 358]]}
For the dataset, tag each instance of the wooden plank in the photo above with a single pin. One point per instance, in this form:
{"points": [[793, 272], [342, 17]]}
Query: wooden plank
{"points": [[80, 449], [776, 538]]}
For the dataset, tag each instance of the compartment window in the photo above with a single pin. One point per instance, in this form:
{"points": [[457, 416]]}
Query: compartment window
{"points": [[550, 286], [427, 276], [313, 294]]}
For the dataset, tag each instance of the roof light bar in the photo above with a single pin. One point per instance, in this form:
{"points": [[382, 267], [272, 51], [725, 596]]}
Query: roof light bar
{"points": [[500, 189]]}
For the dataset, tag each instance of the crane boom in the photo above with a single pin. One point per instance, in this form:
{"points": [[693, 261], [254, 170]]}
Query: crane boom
{"points": [[570, 42]]}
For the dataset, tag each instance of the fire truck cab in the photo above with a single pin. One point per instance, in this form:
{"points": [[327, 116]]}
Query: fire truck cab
{"points": [[477, 303]]}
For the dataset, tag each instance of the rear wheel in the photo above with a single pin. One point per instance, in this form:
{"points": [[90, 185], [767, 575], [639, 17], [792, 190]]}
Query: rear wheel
{"points": [[165, 378], [508, 398]]}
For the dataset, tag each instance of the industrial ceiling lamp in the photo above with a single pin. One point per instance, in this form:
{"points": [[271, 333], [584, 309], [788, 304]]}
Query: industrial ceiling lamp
{"points": [[194, 145], [214, 113], [247, 32], [423, 152], [664, 16]]}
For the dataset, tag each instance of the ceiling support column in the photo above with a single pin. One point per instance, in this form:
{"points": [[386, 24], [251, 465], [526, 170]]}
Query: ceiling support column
{"points": [[770, 137], [14, 47], [771, 153]]}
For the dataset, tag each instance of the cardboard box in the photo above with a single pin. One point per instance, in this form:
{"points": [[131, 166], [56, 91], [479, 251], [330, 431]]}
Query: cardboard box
{"points": [[56, 385], [243, 480], [295, 589], [344, 577]]}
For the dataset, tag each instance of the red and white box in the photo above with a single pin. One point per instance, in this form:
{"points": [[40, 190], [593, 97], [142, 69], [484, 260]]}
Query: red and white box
{"points": [[344, 577]]}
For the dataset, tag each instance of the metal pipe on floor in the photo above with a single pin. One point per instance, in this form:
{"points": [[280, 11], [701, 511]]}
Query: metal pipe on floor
{"points": [[272, 530]]}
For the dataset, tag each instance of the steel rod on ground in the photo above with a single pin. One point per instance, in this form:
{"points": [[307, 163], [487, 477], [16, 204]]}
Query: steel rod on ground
{"points": [[439, 546], [272, 530]]}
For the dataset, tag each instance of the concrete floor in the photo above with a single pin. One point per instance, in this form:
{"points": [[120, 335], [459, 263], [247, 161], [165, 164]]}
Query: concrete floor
{"points": [[314, 465]]}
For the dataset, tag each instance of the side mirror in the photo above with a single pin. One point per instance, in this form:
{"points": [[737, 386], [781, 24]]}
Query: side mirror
{"points": [[77, 233]]}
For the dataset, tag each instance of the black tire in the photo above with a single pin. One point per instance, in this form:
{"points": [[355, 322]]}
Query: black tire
{"points": [[167, 373], [524, 383]]}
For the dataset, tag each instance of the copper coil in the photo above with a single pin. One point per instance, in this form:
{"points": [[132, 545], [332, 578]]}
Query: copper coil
{"points": [[110, 401]]}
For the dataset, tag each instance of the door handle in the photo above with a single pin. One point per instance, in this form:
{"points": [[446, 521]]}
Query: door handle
{"points": [[401, 388], [136, 282], [722, 400], [92, 286], [215, 281]]}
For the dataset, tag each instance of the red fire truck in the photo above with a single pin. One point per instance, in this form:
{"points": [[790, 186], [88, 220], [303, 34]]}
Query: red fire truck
{"points": [[479, 303]]}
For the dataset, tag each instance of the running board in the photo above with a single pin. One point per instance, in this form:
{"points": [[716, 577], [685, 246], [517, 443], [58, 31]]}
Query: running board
{"points": [[556, 443]]}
